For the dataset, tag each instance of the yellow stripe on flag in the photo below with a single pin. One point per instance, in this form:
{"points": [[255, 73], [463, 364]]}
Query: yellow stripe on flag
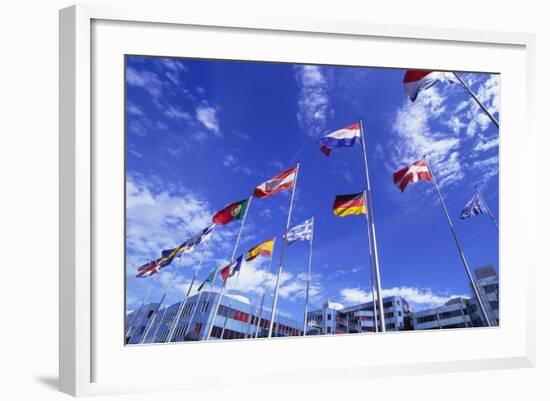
{"points": [[345, 211]]}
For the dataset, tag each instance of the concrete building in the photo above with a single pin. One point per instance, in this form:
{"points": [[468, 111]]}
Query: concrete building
{"points": [[331, 319], [239, 316], [461, 312], [241, 319]]}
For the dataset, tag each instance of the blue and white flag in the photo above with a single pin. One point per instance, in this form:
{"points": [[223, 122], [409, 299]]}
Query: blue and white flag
{"points": [[474, 207], [301, 232]]}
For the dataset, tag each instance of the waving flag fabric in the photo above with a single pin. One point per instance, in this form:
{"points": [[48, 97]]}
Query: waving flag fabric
{"points": [[415, 81], [474, 207], [344, 137], [168, 256], [265, 248], [209, 279], [301, 232], [345, 205], [231, 212], [148, 269], [413, 173], [281, 182], [232, 268]]}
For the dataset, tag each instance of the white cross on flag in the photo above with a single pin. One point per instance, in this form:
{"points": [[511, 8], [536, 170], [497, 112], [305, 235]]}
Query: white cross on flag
{"points": [[413, 173]]}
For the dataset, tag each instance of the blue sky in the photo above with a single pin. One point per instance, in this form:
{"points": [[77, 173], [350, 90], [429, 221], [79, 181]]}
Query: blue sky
{"points": [[201, 134]]}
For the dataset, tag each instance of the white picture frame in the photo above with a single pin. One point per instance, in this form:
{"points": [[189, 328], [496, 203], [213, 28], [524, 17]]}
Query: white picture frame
{"points": [[80, 345]]}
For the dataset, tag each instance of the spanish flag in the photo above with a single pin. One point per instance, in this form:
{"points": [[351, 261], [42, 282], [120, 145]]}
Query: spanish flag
{"points": [[350, 204], [265, 248]]}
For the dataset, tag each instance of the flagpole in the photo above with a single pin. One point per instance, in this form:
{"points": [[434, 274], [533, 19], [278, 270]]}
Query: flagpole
{"points": [[493, 119], [145, 299], [309, 272], [487, 207], [267, 271], [195, 310], [154, 316], [461, 253], [183, 302], [373, 232], [283, 250], [231, 261], [371, 268]]}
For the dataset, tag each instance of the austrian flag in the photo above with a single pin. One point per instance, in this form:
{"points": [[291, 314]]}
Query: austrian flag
{"points": [[413, 173], [281, 182], [415, 81]]}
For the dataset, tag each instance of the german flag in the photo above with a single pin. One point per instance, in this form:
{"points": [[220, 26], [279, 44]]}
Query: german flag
{"points": [[350, 204]]}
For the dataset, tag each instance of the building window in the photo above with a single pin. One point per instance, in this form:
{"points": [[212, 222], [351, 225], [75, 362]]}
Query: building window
{"points": [[329, 316], [329, 330]]}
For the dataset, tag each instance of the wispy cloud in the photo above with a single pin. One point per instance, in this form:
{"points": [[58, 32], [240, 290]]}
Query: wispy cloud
{"points": [[232, 162], [313, 100], [146, 80], [415, 137], [177, 114], [208, 117]]}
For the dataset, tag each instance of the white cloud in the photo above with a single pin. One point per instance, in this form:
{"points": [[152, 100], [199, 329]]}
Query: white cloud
{"points": [[313, 101], [415, 138], [488, 94], [230, 161], [132, 108], [208, 117], [146, 80], [159, 219], [177, 114], [353, 296], [483, 145], [420, 298]]}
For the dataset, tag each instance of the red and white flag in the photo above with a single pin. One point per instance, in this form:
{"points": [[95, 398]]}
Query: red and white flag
{"points": [[415, 81], [413, 173], [281, 182], [148, 269]]}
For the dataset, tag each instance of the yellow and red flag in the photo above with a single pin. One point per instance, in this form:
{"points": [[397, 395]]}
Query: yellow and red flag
{"points": [[265, 248]]}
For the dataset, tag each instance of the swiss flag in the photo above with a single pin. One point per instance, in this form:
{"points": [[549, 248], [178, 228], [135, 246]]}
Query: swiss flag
{"points": [[413, 173]]}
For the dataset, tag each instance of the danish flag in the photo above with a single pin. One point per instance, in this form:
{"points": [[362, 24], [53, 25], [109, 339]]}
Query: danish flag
{"points": [[413, 173]]}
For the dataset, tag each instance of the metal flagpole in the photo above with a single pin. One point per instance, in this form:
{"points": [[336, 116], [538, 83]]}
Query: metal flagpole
{"points": [[462, 257], [183, 302], [195, 310], [267, 271], [234, 289], [373, 232], [371, 260], [138, 312], [487, 207], [493, 119], [309, 273], [154, 316], [283, 250], [232, 259]]}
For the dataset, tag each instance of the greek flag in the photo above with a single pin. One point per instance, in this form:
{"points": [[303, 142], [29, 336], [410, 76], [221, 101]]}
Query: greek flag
{"points": [[474, 207], [301, 232]]}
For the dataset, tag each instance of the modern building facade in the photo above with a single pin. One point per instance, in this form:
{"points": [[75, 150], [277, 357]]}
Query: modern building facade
{"points": [[331, 319], [236, 319], [462, 312]]}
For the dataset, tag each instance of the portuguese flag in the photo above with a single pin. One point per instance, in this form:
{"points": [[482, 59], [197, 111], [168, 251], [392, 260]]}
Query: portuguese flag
{"points": [[349, 204], [233, 211]]}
